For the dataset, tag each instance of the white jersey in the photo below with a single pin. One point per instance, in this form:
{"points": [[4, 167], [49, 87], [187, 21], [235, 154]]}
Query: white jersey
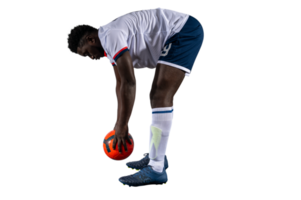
{"points": [[142, 33]]}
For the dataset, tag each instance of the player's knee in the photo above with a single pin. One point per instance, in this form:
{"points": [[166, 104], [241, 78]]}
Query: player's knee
{"points": [[156, 93]]}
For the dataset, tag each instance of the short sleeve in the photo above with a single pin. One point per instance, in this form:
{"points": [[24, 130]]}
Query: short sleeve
{"points": [[116, 45]]}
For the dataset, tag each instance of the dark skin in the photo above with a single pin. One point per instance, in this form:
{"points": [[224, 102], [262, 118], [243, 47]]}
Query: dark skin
{"points": [[90, 45], [125, 85]]}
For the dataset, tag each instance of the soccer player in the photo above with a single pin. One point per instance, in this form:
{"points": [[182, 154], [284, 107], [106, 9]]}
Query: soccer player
{"points": [[158, 38]]}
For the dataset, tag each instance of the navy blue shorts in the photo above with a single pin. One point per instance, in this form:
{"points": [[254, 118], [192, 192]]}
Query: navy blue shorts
{"points": [[181, 49]]}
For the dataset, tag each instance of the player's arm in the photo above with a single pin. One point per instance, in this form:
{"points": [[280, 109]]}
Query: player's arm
{"points": [[118, 83], [127, 92]]}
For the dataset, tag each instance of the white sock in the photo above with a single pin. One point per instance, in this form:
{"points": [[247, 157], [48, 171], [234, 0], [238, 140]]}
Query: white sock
{"points": [[159, 133]]}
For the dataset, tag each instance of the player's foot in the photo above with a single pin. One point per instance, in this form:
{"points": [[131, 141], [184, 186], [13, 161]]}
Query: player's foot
{"points": [[139, 164], [143, 162], [145, 177]]}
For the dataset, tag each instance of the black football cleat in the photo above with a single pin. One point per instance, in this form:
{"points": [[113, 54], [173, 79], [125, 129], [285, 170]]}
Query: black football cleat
{"points": [[144, 162]]}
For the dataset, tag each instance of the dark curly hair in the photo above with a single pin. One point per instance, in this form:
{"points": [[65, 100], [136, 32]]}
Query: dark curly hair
{"points": [[76, 34]]}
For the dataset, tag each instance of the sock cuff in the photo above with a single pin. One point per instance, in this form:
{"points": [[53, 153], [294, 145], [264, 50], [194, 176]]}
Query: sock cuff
{"points": [[162, 114]]}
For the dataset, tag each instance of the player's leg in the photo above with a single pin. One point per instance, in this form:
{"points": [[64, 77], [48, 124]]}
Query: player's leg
{"points": [[166, 83], [176, 61]]}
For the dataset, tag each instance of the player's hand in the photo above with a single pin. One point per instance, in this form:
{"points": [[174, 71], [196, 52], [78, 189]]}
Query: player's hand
{"points": [[121, 136]]}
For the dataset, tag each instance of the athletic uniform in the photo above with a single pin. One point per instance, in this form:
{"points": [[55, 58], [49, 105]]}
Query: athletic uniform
{"points": [[153, 36]]}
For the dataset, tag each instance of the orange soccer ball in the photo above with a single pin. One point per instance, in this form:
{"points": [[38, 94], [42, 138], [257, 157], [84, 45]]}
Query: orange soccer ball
{"points": [[114, 154]]}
